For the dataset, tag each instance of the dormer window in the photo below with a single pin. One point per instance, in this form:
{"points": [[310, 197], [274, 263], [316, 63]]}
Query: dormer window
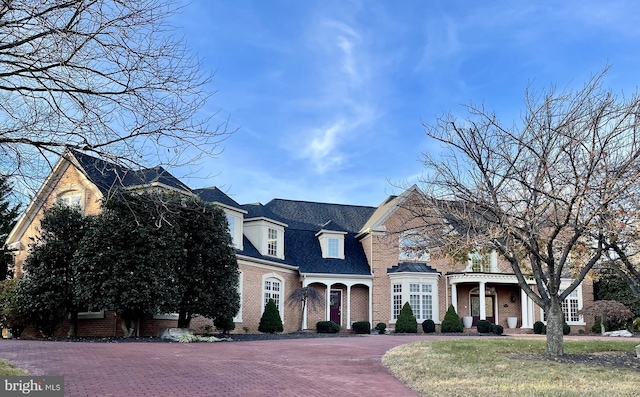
{"points": [[266, 235], [334, 251], [331, 243], [234, 222], [272, 242]]}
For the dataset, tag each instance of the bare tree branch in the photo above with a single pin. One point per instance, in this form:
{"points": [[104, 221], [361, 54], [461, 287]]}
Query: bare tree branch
{"points": [[108, 77]]}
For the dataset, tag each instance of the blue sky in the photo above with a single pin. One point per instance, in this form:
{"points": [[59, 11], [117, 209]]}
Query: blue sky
{"points": [[328, 96]]}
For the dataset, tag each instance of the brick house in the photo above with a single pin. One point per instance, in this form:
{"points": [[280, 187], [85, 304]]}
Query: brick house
{"points": [[359, 258]]}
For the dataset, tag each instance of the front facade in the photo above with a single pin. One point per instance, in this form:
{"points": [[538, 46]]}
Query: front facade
{"points": [[360, 259]]}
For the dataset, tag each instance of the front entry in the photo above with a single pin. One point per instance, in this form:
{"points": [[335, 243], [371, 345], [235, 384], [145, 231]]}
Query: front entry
{"points": [[336, 303], [488, 305]]}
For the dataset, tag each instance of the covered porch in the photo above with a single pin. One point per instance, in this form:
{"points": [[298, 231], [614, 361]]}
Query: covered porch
{"points": [[346, 299], [494, 297]]}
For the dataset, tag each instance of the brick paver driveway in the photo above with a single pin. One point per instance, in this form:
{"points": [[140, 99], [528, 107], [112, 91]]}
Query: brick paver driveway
{"points": [[294, 367]]}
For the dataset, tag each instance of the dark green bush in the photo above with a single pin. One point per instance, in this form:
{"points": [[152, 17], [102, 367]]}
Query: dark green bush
{"points": [[484, 326], [566, 329], [428, 326], [538, 327], [451, 321], [406, 322], [327, 327], [270, 322], [498, 329], [361, 327], [224, 324], [381, 327]]}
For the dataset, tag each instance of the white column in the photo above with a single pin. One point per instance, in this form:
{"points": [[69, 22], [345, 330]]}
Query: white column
{"points": [[524, 309], [483, 309], [371, 304], [530, 311], [348, 306], [328, 303], [306, 308], [454, 297]]}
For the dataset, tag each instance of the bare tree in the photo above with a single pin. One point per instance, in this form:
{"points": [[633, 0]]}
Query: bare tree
{"points": [[546, 192], [108, 77]]}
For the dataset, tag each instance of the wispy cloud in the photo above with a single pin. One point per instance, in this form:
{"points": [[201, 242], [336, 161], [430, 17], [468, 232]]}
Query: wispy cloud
{"points": [[341, 98]]}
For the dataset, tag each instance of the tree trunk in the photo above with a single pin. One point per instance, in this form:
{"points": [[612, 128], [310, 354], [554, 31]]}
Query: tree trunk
{"points": [[555, 342], [73, 324], [304, 304], [184, 319]]}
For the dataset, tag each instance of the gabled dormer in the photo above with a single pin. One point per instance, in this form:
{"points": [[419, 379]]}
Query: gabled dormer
{"points": [[234, 212], [331, 241], [267, 235]]}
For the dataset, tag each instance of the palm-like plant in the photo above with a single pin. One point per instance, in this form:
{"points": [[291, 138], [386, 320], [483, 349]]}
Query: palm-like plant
{"points": [[306, 295]]}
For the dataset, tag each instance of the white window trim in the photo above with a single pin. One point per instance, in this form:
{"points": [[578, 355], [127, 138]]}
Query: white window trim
{"points": [[413, 278], [564, 285], [238, 316], [281, 302], [493, 263]]}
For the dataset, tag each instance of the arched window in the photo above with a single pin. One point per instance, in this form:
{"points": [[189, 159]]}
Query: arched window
{"points": [[273, 288]]}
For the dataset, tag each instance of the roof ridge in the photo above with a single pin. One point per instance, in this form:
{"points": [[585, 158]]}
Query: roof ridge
{"points": [[320, 202]]}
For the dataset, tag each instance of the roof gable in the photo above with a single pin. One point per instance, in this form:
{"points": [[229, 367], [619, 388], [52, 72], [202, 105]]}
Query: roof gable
{"points": [[106, 175]]}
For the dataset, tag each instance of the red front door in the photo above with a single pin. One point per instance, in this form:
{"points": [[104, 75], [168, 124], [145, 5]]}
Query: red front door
{"points": [[488, 307], [334, 309]]}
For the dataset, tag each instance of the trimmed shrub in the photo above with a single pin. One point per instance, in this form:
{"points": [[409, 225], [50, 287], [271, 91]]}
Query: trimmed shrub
{"points": [[484, 326], [498, 329], [270, 322], [327, 327], [566, 329], [382, 328], [406, 322], [428, 326], [538, 327], [451, 321], [361, 327], [224, 324]]}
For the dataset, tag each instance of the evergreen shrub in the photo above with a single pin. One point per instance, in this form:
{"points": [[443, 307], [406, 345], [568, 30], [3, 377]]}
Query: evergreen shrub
{"points": [[361, 327], [270, 322], [428, 326], [382, 328], [566, 329], [538, 327], [451, 321], [224, 324], [498, 329], [327, 327], [406, 322], [484, 326]]}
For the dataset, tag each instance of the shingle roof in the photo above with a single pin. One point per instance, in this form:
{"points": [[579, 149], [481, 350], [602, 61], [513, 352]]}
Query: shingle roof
{"points": [[106, 175], [302, 249], [306, 215], [411, 267], [215, 195]]}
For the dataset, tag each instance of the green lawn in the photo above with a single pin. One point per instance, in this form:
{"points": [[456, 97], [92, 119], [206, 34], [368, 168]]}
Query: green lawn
{"points": [[7, 369], [495, 366]]}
